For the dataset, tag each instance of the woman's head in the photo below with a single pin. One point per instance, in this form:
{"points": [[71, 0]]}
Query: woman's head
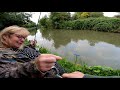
{"points": [[13, 36]]}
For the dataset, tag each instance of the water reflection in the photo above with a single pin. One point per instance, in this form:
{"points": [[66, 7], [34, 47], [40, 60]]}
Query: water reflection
{"points": [[94, 48]]}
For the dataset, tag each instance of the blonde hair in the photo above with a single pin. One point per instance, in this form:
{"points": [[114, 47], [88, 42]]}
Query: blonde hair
{"points": [[6, 32]]}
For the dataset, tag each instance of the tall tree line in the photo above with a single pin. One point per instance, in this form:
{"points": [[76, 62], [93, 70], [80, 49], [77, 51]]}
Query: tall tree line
{"points": [[14, 18]]}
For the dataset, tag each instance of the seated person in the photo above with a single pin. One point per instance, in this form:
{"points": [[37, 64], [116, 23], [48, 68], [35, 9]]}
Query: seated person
{"points": [[17, 60]]}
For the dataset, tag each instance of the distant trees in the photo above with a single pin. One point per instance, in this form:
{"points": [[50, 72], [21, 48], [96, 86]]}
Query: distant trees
{"points": [[45, 22], [58, 17], [14, 18], [96, 14], [79, 15], [57, 20]]}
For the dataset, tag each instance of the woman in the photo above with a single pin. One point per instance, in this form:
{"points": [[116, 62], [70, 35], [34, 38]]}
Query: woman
{"points": [[18, 61]]}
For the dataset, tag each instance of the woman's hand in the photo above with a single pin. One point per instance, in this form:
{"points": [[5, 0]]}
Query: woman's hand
{"points": [[45, 62], [75, 74]]}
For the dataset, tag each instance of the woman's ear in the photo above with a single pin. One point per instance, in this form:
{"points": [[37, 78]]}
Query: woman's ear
{"points": [[5, 37], [5, 40]]}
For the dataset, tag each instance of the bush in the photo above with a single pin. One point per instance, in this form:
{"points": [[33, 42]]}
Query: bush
{"points": [[43, 50], [103, 26]]}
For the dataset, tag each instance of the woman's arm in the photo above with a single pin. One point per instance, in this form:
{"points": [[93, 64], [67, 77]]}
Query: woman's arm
{"points": [[34, 68], [19, 70], [78, 74]]}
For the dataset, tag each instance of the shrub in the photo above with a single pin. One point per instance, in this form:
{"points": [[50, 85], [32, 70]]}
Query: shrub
{"points": [[103, 26]]}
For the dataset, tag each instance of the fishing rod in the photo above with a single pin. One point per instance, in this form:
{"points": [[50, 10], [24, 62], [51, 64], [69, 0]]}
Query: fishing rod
{"points": [[37, 26], [33, 42], [50, 73]]}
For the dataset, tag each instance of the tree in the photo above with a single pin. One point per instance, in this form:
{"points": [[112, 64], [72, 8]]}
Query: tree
{"points": [[79, 15], [59, 17], [14, 18], [76, 15], [96, 14], [44, 22], [85, 15]]}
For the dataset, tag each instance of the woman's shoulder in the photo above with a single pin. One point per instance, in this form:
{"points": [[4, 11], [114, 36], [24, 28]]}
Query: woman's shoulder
{"points": [[6, 51], [7, 55]]}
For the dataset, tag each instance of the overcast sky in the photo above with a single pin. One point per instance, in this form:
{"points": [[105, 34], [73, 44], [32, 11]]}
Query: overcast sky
{"points": [[35, 15]]}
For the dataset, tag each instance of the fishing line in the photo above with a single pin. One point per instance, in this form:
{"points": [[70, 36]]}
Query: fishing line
{"points": [[37, 26]]}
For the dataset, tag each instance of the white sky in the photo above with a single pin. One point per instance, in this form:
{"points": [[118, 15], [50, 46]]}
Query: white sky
{"points": [[110, 14], [35, 15]]}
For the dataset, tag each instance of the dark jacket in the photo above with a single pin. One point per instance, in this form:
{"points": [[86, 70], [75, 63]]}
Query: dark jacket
{"points": [[20, 64]]}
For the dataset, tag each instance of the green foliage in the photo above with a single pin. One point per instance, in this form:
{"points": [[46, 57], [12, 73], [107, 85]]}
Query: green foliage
{"points": [[67, 25], [115, 23], [80, 15], [87, 24], [43, 50], [26, 42], [98, 24], [96, 14], [77, 15], [81, 21], [13, 18], [45, 22], [30, 25], [92, 70], [58, 17], [102, 27], [85, 15], [68, 66], [78, 24], [101, 71]]}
